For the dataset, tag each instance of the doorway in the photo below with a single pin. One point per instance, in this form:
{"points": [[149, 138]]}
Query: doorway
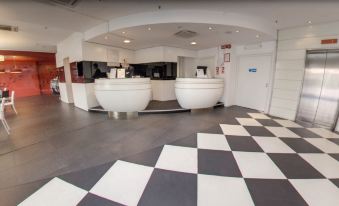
{"points": [[253, 77], [319, 99]]}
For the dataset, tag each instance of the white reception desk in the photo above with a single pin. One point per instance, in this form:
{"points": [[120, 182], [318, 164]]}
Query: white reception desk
{"points": [[123, 95], [195, 93]]}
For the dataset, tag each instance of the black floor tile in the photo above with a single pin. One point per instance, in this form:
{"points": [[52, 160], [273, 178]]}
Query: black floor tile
{"points": [[213, 130], [295, 167], [87, 178], [267, 192], [335, 140], [268, 122], [243, 143], [213, 162], [94, 200], [300, 145], [148, 158], [335, 181], [303, 132], [190, 141], [169, 188], [259, 131], [335, 156]]}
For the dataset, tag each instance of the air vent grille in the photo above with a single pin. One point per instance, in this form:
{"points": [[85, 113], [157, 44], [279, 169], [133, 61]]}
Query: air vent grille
{"points": [[186, 34], [66, 3], [9, 28]]}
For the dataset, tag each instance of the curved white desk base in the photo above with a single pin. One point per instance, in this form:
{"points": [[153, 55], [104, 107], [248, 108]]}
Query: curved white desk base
{"points": [[123, 95], [194, 93]]}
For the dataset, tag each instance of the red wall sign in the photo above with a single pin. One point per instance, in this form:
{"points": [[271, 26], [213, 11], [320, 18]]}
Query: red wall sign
{"points": [[329, 41]]}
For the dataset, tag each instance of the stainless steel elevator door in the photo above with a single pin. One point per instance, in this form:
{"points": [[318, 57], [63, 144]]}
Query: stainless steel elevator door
{"points": [[314, 71], [328, 102], [320, 94]]}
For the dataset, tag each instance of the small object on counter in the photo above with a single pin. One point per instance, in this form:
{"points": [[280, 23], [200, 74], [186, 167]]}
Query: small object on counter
{"points": [[113, 73], [121, 73]]}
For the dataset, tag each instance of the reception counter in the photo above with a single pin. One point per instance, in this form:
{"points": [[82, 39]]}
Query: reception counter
{"points": [[196, 93], [123, 95]]}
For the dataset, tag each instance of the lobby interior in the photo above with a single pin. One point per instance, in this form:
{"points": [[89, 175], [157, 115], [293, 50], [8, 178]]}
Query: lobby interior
{"points": [[166, 103]]}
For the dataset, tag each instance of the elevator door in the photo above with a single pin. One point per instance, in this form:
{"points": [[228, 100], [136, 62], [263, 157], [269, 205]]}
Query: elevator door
{"points": [[320, 94]]}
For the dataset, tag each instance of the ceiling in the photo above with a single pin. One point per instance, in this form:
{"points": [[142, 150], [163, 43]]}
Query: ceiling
{"points": [[163, 35], [42, 25]]}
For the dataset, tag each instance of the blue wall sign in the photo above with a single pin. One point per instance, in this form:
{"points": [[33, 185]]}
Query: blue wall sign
{"points": [[252, 69]]}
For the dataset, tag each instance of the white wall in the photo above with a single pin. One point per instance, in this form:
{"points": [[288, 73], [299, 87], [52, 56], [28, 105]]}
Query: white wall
{"points": [[70, 47], [290, 65]]}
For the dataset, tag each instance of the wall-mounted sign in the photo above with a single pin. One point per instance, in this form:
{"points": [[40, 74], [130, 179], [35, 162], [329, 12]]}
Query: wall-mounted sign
{"points": [[329, 41], [252, 69], [222, 70], [217, 70], [226, 46], [227, 57]]}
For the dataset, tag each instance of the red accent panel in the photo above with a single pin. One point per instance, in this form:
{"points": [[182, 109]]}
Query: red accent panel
{"points": [[25, 83], [37, 68]]}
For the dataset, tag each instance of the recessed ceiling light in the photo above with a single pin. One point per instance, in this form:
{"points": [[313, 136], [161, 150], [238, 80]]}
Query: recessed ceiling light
{"points": [[257, 36], [210, 28], [193, 43], [123, 32], [237, 31], [149, 28], [127, 41], [106, 37], [309, 22]]}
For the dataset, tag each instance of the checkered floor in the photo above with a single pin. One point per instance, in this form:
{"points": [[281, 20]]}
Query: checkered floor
{"points": [[255, 160]]}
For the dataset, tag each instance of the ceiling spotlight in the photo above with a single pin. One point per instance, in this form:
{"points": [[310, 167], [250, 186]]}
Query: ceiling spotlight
{"points": [[309, 22], [106, 37], [149, 28], [123, 32], [237, 31], [127, 41], [193, 43], [257, 36], [210, 28]]}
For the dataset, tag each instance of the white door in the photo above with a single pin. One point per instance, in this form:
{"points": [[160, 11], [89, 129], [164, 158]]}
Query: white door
{"points": [[253, 81]]}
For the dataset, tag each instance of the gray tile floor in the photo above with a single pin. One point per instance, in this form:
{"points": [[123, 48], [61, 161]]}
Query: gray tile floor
{"points": [[51, 138]]}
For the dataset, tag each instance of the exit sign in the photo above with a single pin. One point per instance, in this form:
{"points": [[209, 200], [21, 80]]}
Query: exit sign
{"points": [[329, 41]]}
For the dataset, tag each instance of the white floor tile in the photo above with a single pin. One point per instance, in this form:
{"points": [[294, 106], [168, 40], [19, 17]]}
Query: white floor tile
{"points": [[258, 116], [324, 144], [273, 145], [236, 130], [248, 122], [124, 183], [212, 141], [324, 163], [324, 132], [287, 123], [282, 132], [317, 192], [217, 190], [257, 165], [182, 159], [55, 193]]}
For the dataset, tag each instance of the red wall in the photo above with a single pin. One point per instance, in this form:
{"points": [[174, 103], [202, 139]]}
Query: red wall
{"points": [[37, 71]]}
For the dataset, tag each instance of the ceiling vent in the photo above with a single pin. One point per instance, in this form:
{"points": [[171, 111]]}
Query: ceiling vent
{"points": [[63, 3], [186, 34], [9, 28]]}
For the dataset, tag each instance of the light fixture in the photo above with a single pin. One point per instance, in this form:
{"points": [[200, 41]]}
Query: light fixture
{"points": [[127, 41], [257, 36], [210, 28], [2, 58], [149, 28], [309, 22], [237, 31], [123, 32], [193, 43], [106, 37]]}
